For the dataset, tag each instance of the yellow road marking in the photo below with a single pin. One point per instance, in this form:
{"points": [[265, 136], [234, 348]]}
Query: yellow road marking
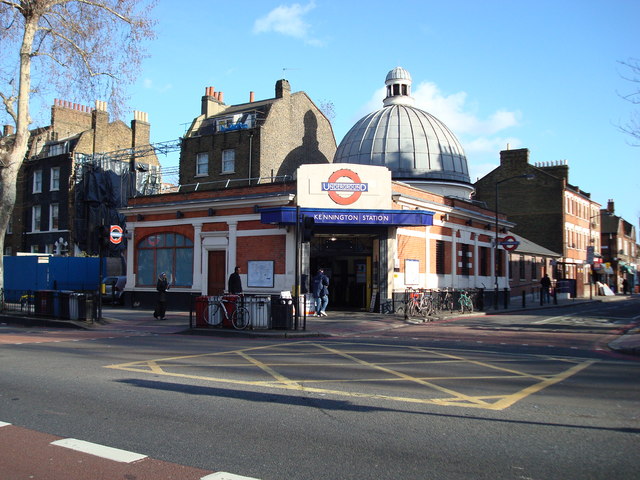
{"points": [[439, 357], [405, 376]]}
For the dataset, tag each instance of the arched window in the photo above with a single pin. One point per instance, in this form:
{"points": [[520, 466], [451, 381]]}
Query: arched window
{"points": [[170, 253]]}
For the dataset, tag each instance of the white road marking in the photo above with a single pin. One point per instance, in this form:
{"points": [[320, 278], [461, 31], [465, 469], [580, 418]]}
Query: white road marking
{"points": [[226, 476], [109, 453]]}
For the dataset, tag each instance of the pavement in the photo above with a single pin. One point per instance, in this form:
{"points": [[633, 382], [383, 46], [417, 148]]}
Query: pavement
{"points": [[336, 324]]}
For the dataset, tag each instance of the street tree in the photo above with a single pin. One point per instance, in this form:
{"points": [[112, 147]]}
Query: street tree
{"points": [[632, 127], [89, 48]]}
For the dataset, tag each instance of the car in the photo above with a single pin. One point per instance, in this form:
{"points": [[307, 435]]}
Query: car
{"points": [[113, 289]]}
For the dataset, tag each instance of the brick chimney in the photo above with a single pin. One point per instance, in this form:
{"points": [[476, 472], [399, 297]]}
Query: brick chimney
{"points": [[512, 158], [140, 129], [283, 89], [212, 103], [99, 124], [7, 130], [610, 206]]}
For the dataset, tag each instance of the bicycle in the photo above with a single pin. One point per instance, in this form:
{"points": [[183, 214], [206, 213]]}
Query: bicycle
{"points": [[239, 317], [465, 302]]}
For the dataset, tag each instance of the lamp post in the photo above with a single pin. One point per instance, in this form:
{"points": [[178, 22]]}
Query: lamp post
{"points": [[496, 249]]}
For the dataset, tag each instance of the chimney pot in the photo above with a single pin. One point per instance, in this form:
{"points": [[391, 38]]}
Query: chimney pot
{"points": [[251, 97]]}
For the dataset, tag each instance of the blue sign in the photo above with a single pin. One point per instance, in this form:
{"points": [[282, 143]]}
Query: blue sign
{"points": [[287, 215]]}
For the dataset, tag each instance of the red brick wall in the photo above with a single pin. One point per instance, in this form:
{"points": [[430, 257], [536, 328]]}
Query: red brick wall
{"points": [[269, 247]]}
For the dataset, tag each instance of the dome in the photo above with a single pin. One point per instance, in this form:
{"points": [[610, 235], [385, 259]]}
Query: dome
{"points": [[417, 147]]}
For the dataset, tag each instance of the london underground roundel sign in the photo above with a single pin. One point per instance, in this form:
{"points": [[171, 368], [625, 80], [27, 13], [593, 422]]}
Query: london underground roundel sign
{"points": [[509, 243], [344, 192], [115, 234]]}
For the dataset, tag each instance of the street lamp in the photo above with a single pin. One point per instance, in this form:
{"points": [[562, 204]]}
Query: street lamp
{"points": [[496, 251]]}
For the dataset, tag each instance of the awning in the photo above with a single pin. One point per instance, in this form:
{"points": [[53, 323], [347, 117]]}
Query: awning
{"points": [[287, 216]]}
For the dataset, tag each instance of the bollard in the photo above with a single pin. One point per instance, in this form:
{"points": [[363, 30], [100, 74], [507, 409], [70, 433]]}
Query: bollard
{"points": [[524, 302]]}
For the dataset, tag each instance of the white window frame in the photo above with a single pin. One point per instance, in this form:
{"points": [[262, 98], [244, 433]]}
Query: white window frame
{"points": [[228, 160], [36, 218], [54, 182], [202, 164], [37, 181], [54, 209]]}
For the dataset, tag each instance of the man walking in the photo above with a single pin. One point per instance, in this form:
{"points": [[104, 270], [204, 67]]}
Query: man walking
{"points": [[235, 283], [545, 285], [320, 292]]}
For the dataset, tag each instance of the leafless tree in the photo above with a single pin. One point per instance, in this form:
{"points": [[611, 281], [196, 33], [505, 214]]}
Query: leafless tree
{"points": [[92, 48], [632, 127], [328, 109]]}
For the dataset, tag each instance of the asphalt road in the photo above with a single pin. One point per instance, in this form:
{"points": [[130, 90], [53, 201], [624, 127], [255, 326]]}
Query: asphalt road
{"points": [[529, 396]]}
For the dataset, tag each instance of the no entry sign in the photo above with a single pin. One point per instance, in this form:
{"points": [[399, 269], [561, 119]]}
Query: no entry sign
{"points": [[509, 243]]}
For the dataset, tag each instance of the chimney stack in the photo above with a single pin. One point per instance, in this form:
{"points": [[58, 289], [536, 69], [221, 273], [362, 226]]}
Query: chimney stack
{"points": [[140, 129], [211, 102], [611, 206], [251, 97], [7, 130]]}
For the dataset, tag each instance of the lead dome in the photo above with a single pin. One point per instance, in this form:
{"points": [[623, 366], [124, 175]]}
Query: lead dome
{"points": [[417, 147]]}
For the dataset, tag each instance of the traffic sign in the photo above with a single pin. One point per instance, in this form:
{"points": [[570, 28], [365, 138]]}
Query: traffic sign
{"points": [[115, 234], [509, 243]]}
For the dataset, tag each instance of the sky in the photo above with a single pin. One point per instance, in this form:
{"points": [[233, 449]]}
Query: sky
{"points": [[544, 75]]}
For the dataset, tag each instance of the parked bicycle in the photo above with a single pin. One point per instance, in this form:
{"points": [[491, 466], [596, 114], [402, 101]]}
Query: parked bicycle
{"points": [[239, 316], [420, 303], [465, 301]]}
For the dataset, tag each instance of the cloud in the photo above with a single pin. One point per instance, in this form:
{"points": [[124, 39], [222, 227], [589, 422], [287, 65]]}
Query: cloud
{"points": [[482, 138], [289, 21], [150, 85]]}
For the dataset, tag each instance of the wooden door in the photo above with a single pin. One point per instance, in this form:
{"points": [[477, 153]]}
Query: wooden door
{"points": [[216, 273]]}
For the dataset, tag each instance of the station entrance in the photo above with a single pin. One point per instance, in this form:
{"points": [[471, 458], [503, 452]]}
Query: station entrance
{"points": [[351, 260]]}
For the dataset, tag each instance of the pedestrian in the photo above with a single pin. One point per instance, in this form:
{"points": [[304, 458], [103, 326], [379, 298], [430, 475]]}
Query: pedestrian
{"points": [[320, 292], [545, 284], [625, 287], [235, 283], [162, 286]]}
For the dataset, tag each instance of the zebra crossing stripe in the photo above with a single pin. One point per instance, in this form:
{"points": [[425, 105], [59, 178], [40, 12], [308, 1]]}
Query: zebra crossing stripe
{"points": [[109, 453]]}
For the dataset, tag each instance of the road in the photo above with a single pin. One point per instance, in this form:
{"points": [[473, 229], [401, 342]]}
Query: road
{"points": [[529, 396]]}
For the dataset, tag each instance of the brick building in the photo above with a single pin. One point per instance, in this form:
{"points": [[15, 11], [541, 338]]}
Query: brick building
{"points": [[255, 141], [391, 208], [45, 218], [619, 251], [547, 210]]}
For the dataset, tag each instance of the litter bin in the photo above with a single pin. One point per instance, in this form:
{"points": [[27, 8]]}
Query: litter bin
{"points": [[201, 304], [259, 307], [281, 312], [44, 302]]}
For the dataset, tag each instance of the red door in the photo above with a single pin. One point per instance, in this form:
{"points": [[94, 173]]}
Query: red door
{"points": [[216, 273]]}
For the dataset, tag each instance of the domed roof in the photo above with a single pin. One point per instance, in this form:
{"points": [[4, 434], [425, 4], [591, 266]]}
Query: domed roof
{"points": [[413, 144]]}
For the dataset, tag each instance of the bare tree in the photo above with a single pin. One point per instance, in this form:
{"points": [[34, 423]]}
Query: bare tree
{"points": [[328, 109], [92, 48], [633, 126]]}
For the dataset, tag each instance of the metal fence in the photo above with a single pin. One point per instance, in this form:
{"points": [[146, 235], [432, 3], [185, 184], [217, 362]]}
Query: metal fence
{"points": [[59, 304]]}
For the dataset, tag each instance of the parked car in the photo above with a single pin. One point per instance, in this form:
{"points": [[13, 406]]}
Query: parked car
{"points": [[113, 289]]}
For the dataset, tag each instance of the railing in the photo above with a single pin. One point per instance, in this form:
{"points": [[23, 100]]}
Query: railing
{"points": [[58, 304], [431, 303]]}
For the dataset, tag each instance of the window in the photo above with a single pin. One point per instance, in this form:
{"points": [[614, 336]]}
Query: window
{"points": [[37, 181], [58, 149], [534, 268], [202, 164], [169, 252], [464, 248], [55, 179], [522, 268], [35, 218], [228, 161], [440, 257], [484, 261], [53, 216]]}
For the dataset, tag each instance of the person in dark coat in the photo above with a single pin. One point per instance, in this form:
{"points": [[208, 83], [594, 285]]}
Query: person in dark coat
{"points": [[320, 292], [545, 284], [235, 283], [162, 286]]}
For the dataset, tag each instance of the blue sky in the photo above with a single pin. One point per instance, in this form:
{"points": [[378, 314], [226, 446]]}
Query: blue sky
{"points": [[541, 75]]}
